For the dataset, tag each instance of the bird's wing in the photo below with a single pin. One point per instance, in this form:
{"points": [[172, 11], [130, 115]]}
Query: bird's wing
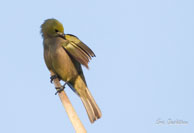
{"points": [[78, 50]]}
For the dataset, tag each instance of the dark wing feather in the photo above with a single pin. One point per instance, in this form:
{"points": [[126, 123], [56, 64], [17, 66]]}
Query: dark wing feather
{"points": [[78, 50], [79, 43]]}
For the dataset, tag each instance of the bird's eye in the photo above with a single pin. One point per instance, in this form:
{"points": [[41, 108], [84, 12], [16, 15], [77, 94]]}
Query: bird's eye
{"points": [[56, 30]]}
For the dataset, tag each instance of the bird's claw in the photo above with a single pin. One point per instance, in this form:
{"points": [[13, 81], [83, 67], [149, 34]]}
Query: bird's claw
{"points": [[60, 89], [53, 77]]}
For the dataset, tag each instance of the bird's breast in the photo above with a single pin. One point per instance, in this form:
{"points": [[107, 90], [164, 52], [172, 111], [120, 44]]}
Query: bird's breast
{"points": [[62, 63]]}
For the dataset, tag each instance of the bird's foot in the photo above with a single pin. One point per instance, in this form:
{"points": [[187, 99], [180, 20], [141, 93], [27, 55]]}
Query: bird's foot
{"points": [[54, 77], [60, 89]]}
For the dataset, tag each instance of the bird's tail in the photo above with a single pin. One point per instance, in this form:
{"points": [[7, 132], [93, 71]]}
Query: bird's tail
{"points": [[91, 107]]}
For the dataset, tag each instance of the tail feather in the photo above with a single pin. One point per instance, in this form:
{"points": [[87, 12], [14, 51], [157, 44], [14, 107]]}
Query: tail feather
{"points": [[94, 105], [92, 108]]}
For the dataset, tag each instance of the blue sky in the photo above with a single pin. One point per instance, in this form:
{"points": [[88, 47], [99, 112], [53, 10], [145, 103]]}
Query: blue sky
{"points": [[143, 71]]}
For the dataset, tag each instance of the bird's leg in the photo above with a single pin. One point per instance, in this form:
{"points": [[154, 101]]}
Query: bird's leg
{"points": [[54, 77], [59, 89]]}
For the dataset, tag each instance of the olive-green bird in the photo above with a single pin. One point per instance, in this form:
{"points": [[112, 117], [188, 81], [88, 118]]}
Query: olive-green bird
{"points": [[64, 54]]}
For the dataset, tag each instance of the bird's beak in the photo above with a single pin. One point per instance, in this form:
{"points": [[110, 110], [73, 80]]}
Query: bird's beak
{"points": [[60, 34]]}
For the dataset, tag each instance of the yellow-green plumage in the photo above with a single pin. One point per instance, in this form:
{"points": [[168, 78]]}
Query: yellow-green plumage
{"points": [[64, 54]]}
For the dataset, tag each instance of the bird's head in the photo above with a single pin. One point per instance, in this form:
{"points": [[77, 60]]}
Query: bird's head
{"points": [[52, 28]]}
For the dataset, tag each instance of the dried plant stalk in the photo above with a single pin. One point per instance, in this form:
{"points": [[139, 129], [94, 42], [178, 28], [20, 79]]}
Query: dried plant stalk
{"points": [[78, 126]]}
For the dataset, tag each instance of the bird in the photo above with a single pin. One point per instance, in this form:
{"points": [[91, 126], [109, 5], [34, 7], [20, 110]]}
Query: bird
{"points": [[65, 54]]}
